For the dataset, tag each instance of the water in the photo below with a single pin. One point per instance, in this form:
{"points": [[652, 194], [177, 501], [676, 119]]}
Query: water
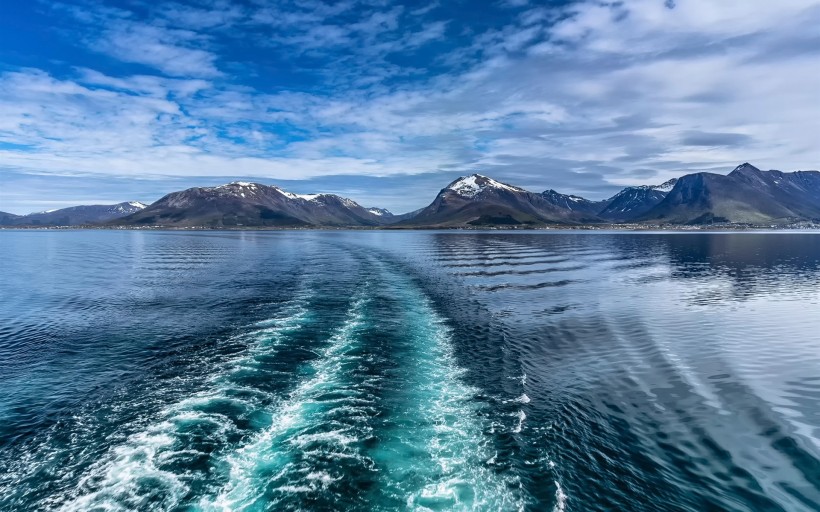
{"points": [[409, 371]]}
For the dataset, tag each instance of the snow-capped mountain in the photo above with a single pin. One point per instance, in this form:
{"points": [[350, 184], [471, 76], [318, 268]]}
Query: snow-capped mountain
{"points": [[381, 212], [476, 184], [632, 202], [477, 200], [245, 204], [573, 203], [75, 215]]}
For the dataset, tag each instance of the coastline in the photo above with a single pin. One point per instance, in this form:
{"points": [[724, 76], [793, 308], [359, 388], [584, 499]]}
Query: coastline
{"points": [[635, 228]]}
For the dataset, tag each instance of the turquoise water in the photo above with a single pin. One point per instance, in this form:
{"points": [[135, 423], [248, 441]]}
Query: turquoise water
{"points": [[409, 371]]}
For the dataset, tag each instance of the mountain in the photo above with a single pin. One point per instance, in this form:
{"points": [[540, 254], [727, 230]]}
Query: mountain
{"points": [[74, 215], [633, 202], [573, 203], [8, 219], [477, 200], [381, 212], [747, 195], [254, 205], [798, 191]]}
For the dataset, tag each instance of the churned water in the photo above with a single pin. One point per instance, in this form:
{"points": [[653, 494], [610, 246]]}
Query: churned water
{"points": [[425, 371]]}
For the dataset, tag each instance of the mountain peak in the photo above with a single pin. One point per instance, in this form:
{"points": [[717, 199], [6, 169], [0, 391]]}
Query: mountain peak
{"points": [[745, 167], [474, 184], [571, 197], [666, 186], [380, 212], [239, 185]]}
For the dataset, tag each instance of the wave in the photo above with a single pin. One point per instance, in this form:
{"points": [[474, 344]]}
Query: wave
{"points": [[157, 467]]}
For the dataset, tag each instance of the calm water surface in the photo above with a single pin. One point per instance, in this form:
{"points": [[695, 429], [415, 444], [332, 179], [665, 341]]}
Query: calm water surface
{"points": [[409, 371]]}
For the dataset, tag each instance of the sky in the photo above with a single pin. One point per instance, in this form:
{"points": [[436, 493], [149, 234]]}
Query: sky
{"points": [[386, 102]]}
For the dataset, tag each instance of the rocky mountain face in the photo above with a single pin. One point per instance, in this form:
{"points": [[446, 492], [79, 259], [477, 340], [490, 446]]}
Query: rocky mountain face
{"points": [[73, 216], [747, 195], [242, 204], [632, 202], [573, 203], [477, 200]]}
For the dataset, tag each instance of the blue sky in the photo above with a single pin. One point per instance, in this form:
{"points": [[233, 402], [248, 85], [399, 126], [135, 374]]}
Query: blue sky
{"points": [[386, 102]]}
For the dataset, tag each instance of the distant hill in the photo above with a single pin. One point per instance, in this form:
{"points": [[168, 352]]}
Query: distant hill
{"points": [[243, 204], [8, 219], [73, 216]]}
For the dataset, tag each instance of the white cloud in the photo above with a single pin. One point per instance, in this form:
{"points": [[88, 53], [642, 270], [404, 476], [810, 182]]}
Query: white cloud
{"points": [[589, 102], [172, 51]]}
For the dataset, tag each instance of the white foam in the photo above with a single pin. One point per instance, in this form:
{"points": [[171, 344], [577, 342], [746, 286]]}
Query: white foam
{"points": [[522, 416], [322, 477], [335, 437], [118, 481], [560, 499], [244, 487], [523, 399]]}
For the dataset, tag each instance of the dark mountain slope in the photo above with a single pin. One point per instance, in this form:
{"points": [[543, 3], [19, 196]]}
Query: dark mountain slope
{"points": [[633, 202], [573, 203], [8, 219], [706, 198], [798, 191]]}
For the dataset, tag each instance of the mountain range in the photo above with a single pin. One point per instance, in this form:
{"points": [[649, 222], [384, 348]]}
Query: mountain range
{"points": [[73, 216], [747, 196], [243, 204]]}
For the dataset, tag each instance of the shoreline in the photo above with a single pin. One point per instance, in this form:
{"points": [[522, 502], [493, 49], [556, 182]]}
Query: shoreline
{"points": [[626, 228]]}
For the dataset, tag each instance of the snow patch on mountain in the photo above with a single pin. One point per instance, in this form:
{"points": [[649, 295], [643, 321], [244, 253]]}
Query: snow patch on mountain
{"points": [[666, 186], [291, 195], [129, 207]]}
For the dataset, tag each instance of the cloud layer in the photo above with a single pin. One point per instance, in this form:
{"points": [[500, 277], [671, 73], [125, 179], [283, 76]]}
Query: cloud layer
{"points": [[582, 97]]}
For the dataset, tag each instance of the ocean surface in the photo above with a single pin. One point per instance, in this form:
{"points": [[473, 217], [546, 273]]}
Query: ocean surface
{"points": [[376, 371]]}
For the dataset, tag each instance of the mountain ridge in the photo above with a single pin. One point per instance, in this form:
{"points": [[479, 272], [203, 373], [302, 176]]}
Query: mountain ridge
{"points": [[73, 215], [247, 204], [744, 196]]}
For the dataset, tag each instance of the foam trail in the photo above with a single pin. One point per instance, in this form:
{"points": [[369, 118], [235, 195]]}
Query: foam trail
{"points": [[144, 471], [277, 464], [435, 453], [560, 499], [382, 422]]}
